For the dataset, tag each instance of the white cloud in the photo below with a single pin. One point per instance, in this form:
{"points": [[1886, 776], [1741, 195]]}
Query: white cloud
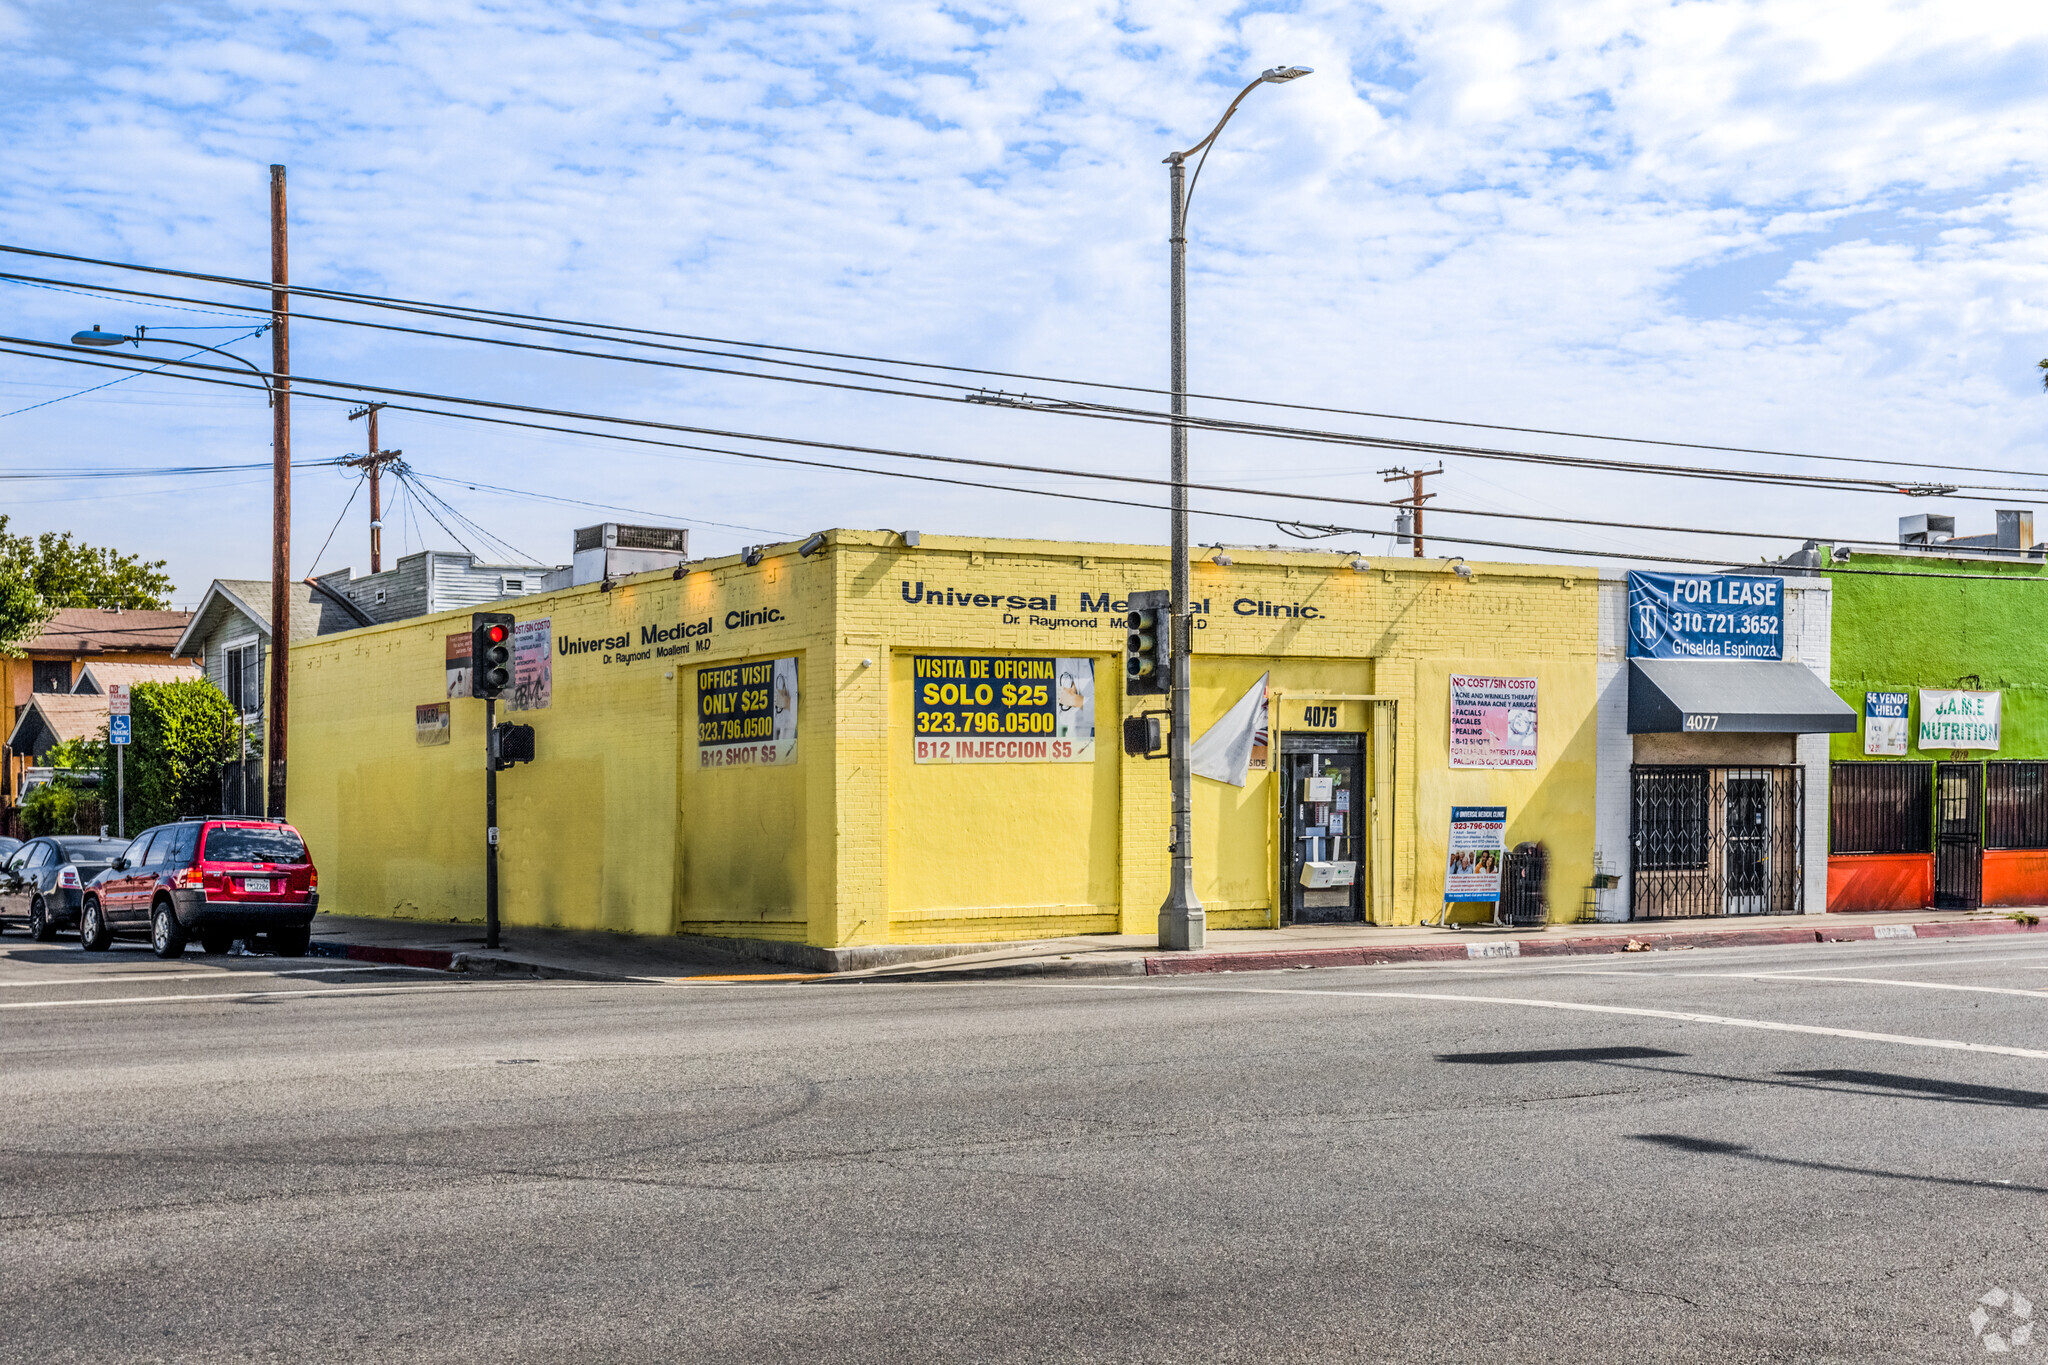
{"points": [[1796, 225]]}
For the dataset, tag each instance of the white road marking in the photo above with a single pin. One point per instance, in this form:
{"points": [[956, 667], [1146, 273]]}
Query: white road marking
{"points": [[1846, 980], [1572, 1006], [333, 993], [220, 974]]}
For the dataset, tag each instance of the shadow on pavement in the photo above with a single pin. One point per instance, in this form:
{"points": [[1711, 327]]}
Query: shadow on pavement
{"points": [[1701, 1146], [1920, 1085], [1537, 1056]]}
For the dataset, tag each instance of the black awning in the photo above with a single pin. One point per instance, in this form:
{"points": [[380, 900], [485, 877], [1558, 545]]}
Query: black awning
{"points": [[1740, 696]]}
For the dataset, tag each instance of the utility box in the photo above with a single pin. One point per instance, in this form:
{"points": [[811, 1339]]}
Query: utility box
{"points": [[1315, 789], [1321, 876]]}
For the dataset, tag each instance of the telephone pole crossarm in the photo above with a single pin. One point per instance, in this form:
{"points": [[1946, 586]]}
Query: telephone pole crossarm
{"points": [[374, 462], [1415, 498]]}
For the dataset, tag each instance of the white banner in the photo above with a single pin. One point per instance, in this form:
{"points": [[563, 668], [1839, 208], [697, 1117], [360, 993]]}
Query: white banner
{"points": [[1958, 720], [1224, 752]]}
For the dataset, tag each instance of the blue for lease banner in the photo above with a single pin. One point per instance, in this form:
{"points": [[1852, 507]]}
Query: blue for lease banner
{"points": [[1705, 616]]}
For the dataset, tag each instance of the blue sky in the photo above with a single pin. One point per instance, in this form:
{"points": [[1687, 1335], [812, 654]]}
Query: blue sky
{"points": [[1807, 226]]}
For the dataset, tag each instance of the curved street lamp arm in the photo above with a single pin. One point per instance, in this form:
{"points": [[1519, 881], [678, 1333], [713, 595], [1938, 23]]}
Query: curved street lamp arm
{"points": [[200, 345], [1206, 143]]}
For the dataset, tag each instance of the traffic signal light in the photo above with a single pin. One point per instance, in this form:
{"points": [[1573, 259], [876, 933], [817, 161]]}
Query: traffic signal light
{"points": [[490, 653], [1148, 649]]}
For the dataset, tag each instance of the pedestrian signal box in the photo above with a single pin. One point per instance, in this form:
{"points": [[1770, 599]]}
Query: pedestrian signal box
{"points": [[515, 744]]}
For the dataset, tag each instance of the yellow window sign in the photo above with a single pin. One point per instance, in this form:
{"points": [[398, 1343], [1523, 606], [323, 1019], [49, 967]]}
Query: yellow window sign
{"points": [[989, 709]]}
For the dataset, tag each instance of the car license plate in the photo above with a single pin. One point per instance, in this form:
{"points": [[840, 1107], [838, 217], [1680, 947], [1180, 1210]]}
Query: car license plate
{"points": [[255, 883]]}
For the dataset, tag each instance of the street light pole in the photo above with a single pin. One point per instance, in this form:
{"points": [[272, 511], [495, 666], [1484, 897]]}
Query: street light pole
{"points": [[280, 498], [1183, 923]]}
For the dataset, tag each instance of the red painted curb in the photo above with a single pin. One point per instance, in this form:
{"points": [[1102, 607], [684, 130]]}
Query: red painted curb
{"points": [[1283, 960]]}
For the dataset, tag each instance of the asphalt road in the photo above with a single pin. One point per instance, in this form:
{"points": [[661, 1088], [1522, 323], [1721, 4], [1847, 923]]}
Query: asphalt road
{"points": [[1827, 1153]]}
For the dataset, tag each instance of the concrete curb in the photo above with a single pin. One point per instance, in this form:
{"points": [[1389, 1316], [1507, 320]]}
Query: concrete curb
{"points": [[1266, 960], [1193, 963], [448, 960]]}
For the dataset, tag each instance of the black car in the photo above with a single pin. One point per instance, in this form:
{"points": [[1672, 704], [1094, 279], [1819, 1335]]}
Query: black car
{"points": [[43, 882]]}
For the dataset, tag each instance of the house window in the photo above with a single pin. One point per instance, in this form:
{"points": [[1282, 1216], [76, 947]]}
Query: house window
{"points": [[52, 675], [244, 681], [380, 597]]}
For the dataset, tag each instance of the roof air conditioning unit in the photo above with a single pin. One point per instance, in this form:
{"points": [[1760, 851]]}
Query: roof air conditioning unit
{"points": [[613, 551]]}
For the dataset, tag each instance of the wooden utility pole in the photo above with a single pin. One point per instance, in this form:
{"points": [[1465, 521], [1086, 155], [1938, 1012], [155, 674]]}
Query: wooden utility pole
{"points": [[374, 462], [280, 498], [1416, 498]]}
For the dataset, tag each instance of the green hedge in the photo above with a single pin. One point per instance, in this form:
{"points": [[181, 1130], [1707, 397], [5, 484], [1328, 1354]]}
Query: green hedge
{"points": [[183, 733]]}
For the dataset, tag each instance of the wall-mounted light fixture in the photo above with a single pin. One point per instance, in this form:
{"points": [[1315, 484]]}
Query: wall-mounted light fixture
{"points": [[1841, 554], [813, 545], [913, 539], [752, 555], [606, 584], [1219, 558], [1460, 567], [1361, 565]]}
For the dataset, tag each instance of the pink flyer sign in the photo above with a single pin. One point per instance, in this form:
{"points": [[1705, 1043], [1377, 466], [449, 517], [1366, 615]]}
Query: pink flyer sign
{"points": [[1493, 722]]}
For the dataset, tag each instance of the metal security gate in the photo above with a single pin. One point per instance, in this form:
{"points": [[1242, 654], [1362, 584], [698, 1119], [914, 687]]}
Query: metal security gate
{"points": [[1958, 836], [1321, 823], [1716, 841]]}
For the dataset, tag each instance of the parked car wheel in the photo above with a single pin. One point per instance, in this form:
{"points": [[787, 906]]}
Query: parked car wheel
{"points": [[39, 927], [92, 927], [291, 942], [217, 945], [166, 935]]}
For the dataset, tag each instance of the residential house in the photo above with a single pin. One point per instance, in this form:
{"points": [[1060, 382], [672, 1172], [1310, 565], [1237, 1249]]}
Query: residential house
{"points": [[51, 663], [441, 580], [229, 637]]}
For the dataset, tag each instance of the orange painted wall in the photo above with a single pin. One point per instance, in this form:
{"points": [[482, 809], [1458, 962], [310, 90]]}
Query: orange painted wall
{"points": [[2015, 876], [1884, 881]]}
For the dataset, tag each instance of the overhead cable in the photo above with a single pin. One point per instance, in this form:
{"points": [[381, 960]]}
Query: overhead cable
{"points": [[201, 372], [1632, 556], [631, 335]]}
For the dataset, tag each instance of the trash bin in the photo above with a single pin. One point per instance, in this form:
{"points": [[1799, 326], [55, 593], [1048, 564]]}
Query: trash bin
{"points": [[1523, 874]]}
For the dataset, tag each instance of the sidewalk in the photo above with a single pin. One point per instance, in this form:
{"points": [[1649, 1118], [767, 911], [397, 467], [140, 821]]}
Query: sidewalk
{"points": [[624, 957]]}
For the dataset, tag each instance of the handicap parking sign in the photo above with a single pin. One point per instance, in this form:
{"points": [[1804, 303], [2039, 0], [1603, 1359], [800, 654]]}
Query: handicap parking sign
{"points": [[117, 729]]}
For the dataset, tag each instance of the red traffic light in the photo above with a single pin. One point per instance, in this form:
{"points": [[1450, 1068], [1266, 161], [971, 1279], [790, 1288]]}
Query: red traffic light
{"points": [[495, 634]]}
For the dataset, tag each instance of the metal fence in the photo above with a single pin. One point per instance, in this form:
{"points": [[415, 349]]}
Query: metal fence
{"points": [[1880, 807], [1715, 841], [2015, 804]]}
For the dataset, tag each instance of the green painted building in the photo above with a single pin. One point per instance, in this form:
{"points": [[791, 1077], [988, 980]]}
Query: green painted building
{"points": [[1937, 799]]}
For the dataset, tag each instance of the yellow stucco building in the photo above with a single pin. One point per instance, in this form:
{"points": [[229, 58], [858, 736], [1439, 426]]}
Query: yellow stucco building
{"points": [[887, 743]]}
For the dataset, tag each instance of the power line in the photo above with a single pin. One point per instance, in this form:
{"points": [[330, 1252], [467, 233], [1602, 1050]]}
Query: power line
{"points": [[473, 486], [630, 335], [1631, 556], [210, 374], [65, 475], [337, 525], [1148, 417]]}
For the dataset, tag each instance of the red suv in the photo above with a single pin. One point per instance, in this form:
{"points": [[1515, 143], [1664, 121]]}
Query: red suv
{"points": [[213, 880]]}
